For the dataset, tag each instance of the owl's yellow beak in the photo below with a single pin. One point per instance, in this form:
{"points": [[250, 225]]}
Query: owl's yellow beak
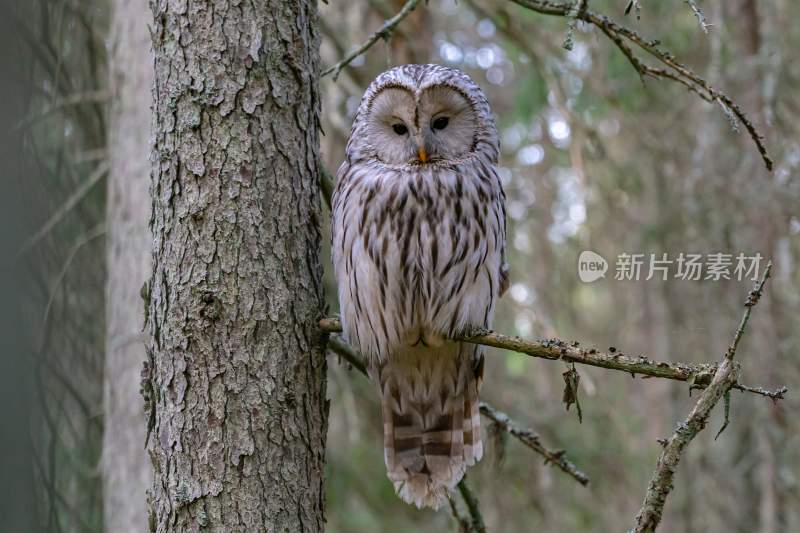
{"points": [[423, 155]]}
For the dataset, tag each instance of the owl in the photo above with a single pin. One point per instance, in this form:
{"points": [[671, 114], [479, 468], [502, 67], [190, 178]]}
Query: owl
{"points": [[418, 245]]}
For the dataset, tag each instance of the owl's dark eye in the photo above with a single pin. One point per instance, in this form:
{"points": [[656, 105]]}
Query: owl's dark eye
{"points": [[440, 123], [400, 129]]}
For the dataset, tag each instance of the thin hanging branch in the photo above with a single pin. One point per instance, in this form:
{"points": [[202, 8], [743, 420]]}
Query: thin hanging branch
{"points": [[625, 39], [698, 13], [532, 441], [383, 33], [725, 377]]}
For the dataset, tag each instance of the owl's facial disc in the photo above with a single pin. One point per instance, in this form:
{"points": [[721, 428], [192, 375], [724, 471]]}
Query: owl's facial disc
{"points": [[439, 125], [447, 122], [390, 125]]}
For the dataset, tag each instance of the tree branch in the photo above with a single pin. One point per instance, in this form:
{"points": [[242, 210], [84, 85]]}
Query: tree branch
{"points": [[347, 353], [88, 97], [725, 377], [83, 189], [477, 525], [774, 395], [384, 32], [675, 71], [698, 13], [752, 299], [699, 375], [532, 441], [97, 231], [464, 525], [661, 484]]}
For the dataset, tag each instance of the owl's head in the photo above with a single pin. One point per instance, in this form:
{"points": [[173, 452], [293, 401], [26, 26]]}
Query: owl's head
{"points": [[423, 114]]}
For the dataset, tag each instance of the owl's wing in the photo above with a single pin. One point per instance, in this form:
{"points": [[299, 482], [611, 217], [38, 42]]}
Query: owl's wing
{"points": [[360, 262], [505, 275]]}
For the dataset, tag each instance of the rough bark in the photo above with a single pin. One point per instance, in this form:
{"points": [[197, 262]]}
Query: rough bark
{"points": [[126, 470], [238, 370]]}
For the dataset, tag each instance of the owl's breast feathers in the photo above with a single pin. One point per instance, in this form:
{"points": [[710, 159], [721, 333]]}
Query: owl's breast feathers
{"points": [[418, 251]]}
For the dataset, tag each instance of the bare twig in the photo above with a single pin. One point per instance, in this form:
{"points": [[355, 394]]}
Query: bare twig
{"points": [[98, 231], [727, 413], [96, 175], [775, 395], [579, 7], [532, 441], [752, 299], [335, 38], [383, 33], [701, 18], [89, 156], [724, 379], [87, 97], [477, 524], [675, 71]]}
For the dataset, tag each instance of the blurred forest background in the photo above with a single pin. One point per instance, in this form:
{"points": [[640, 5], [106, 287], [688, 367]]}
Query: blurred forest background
{"points": [[593, 159]]}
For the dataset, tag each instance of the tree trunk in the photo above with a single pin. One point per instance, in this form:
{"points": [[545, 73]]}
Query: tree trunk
{"points": [[126, 470], [237, 382]]}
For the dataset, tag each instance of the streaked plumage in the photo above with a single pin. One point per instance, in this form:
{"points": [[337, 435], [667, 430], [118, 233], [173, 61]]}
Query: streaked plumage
{"points": [[418, 246]]}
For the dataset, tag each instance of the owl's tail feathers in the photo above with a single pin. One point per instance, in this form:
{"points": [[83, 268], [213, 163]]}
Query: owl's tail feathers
{"points": [[429, 444]]}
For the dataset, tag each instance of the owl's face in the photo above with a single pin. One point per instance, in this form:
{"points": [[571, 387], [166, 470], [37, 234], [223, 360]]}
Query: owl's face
{"points": [[422, 114], [417, 127]]}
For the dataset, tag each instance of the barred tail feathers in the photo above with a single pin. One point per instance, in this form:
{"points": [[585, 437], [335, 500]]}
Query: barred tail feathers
{"points": [[431, 420]]}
